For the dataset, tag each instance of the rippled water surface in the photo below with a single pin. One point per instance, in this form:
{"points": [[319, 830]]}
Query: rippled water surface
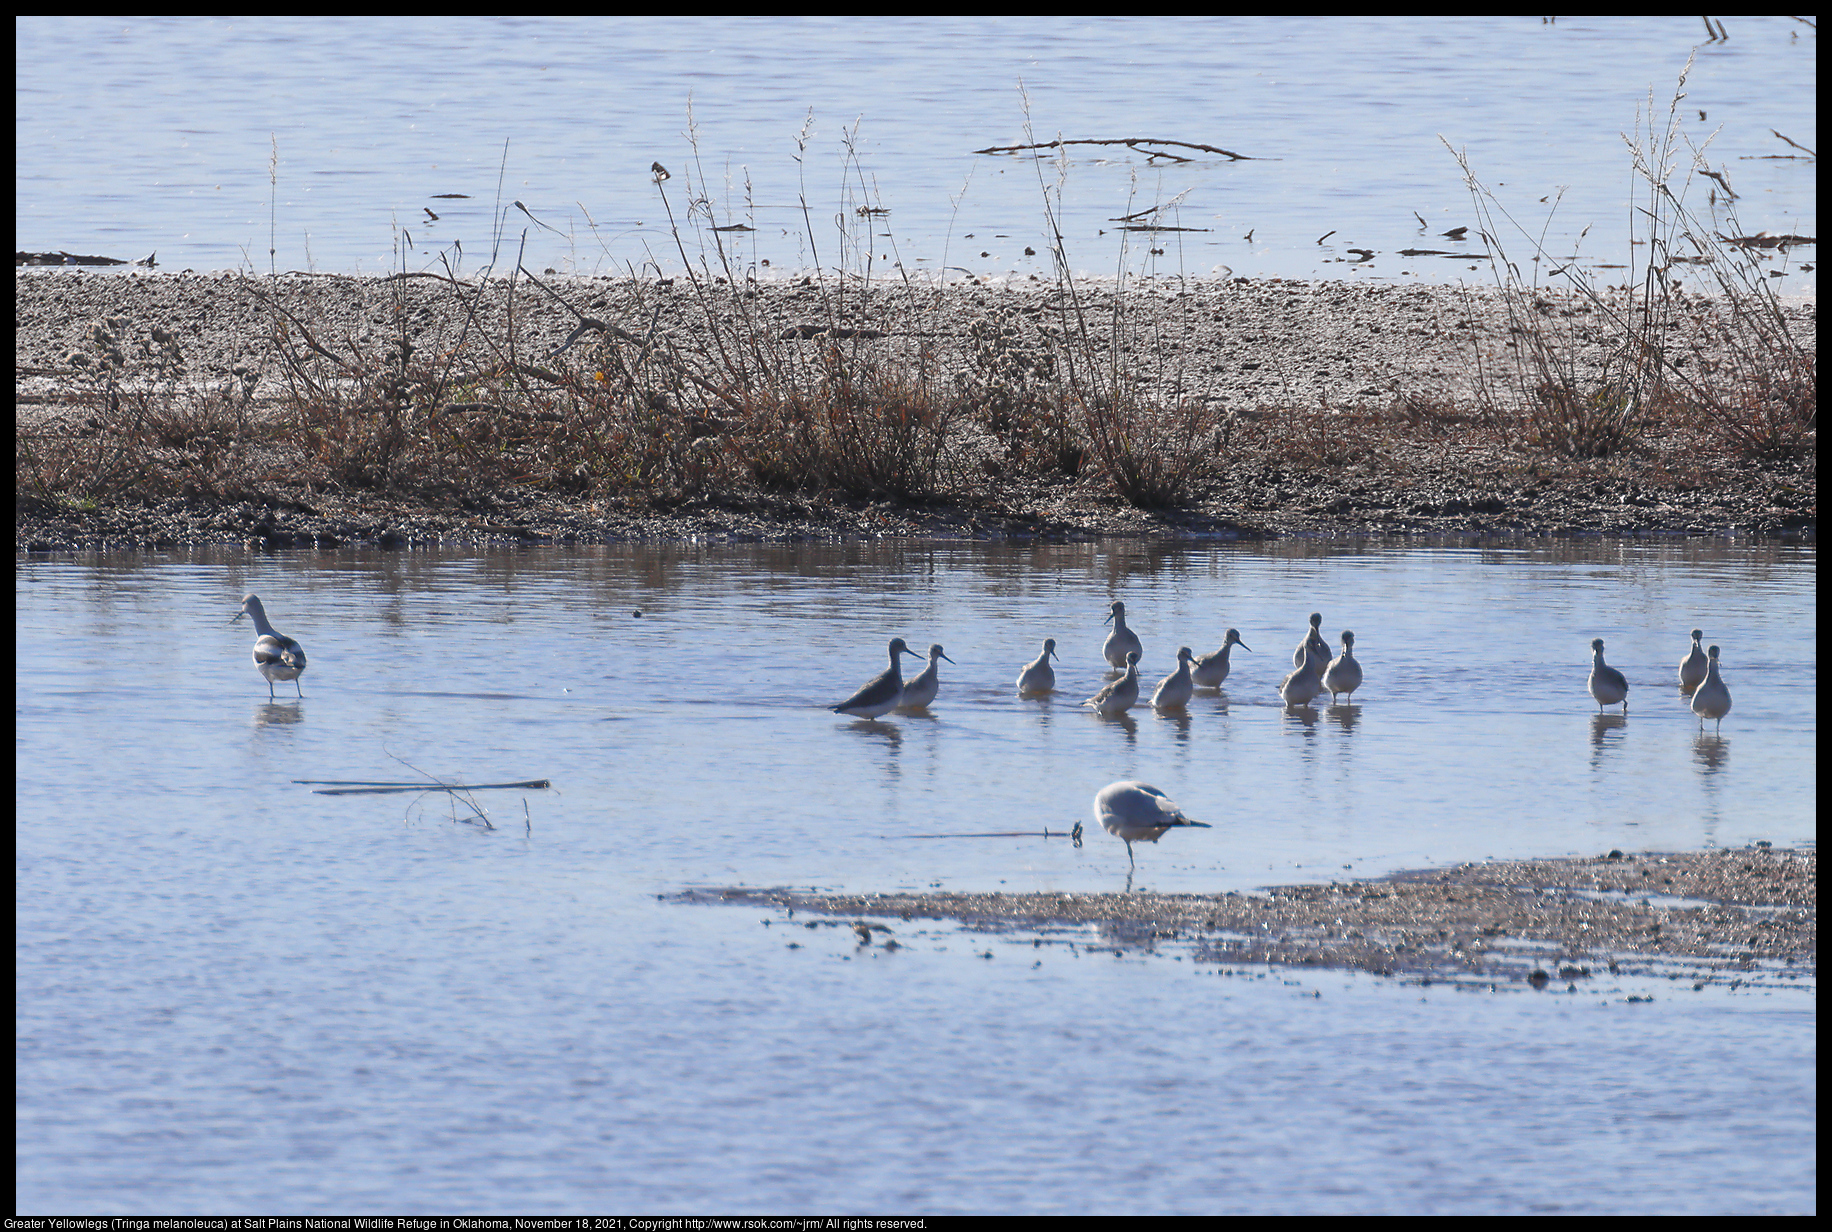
{"points": [[236, 994], [161, 133]]}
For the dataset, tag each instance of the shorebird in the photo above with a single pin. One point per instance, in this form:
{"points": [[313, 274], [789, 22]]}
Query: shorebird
{"points": [[1122, 641], [1313, 643], [1175, 689], [1692, 667], [1343, 675], [1120, 696], [1607, 685], [1138, 812], [1212, 669], [1711, 700], [1304, 682], [919, 692], [1038, 676], [277, 656], [882, 693]]}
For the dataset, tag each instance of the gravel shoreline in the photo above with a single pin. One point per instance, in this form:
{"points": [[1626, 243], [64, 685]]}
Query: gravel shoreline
{"points": [[1745, 917], [1307, 373]]}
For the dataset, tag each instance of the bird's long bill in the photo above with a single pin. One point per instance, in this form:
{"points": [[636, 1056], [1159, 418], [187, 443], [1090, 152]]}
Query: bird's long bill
{"points": [[1205, 825]]}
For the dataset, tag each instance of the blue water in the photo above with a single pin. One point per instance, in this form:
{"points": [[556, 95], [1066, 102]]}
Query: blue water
{"points": [[236, 995], [332, 140]]}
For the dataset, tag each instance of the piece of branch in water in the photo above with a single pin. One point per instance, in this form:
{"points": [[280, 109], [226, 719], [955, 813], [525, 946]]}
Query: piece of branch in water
{"points": [[359, 787], [1072, 835], [1130, 142]]}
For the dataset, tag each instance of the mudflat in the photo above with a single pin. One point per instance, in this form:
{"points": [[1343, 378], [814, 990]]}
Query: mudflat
{"points": [[1299, 408], [1746, 916]]}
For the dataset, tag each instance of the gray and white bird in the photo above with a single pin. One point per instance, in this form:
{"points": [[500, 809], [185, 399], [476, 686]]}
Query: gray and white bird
{"points": [[1711, 700], [277, 656], [1692, 667], [919, 692], [1304, 682], [1211, 670], [880, 695], [1607, 685], [1038, 676], [1122, 641], [1343, 675], [1138, 813], [1175, 689], [1120, 696], [1313, 643]]}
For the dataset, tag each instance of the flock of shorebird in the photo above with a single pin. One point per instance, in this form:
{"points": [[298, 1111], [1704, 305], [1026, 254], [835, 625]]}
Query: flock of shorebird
{"points": [[1699, 679], [1132, 811], [1313, 672]]}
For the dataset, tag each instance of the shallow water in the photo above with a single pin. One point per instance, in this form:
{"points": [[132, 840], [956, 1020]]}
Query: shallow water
{"points": [[163, 138], [233, 992]]}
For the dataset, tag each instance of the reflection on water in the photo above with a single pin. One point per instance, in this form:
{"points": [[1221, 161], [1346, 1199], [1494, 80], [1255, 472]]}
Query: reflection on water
{"points": [[215, 965], [1711, 752]]}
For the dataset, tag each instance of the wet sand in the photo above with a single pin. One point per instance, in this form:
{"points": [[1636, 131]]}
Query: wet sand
{"points": [[1340, 409], [1745, 917]]}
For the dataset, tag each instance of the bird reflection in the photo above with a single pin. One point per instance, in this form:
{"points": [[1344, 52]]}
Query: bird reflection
{"points": [[1711, 751], [278, 714], [1602, 724]]}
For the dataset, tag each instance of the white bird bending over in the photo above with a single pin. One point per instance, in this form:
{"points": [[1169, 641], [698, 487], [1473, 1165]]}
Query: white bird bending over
{"points": [[1313, 643], [1692, 667], [1175, 689], [1343, 675], [1122, 641], [277, 656], [1212, 670], [1038, 676], [1711, 700], [1607, 685], [882, 693], [1120, 696], [919, 692], [1138, 813]]}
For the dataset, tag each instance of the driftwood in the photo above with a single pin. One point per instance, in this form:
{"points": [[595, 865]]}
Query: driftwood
{"points": [[1072, 835], [1130, 142], [70, 258], [358, 787]]}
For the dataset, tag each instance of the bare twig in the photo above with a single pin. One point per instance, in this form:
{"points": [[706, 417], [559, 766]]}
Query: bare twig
{"points": [[1130, 142]]}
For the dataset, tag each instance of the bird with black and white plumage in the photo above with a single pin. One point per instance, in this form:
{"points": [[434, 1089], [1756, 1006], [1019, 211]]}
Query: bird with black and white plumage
{"points": [[276, 656], [1138, 813]]}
